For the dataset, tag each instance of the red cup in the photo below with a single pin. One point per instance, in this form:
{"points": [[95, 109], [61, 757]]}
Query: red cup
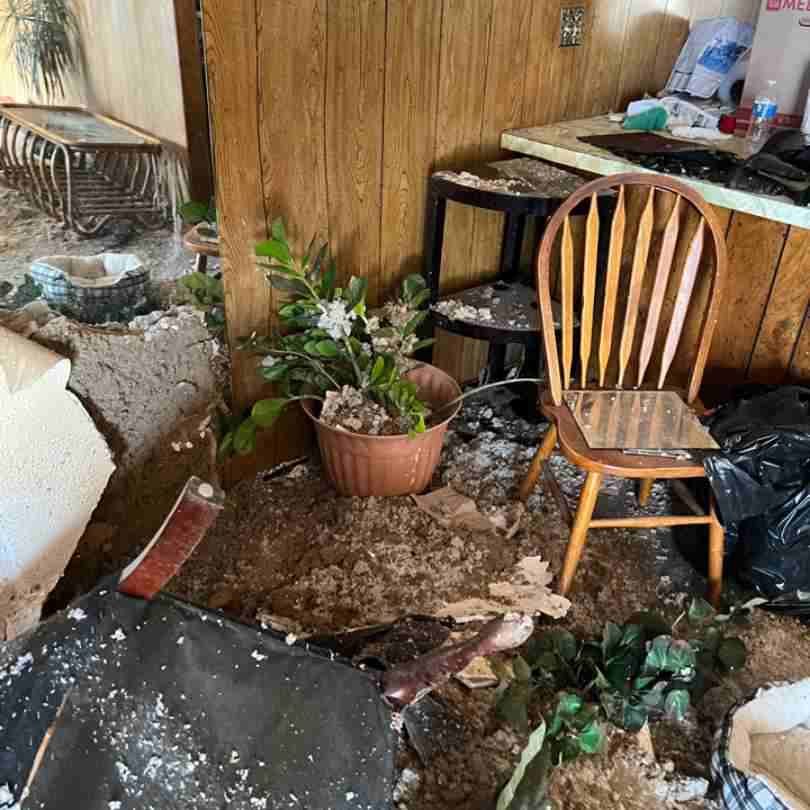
{"points": [[728, 123]]}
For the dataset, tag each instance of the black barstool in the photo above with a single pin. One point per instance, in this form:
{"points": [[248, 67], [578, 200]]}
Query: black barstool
{"points": [[521, 188]]}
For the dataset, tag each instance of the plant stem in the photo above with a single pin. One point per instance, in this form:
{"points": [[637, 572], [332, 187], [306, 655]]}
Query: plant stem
{"points": [[357, 373], [484, 388], [312, 360]]}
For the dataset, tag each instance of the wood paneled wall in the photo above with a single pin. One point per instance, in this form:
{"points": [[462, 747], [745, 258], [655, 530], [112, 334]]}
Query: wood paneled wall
{"points": [[333, 113]]}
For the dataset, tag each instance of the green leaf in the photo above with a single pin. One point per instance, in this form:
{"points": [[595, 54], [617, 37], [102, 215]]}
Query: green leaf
{"points": [[712, 637], [275, 250], [225, 446], [676, 704], [521, 669], [680, 656], [278, 230], [732, 653], [193, 212], [414, 323], [611, 638], [244, 437], [327, 348], [632, 636], [357, 290], [274, 373], [652, 623], [377, 369], [266, 411], [569, 704], [620, 670], [565, 644], [288, 284], [328, 280], [657, 655], [532, 763], [422, 344], [644, 682], [195, 281], [591, 738], [633, 717], [699, 610], [654, 698], [420, 299], [513, 706], [413, 285]]}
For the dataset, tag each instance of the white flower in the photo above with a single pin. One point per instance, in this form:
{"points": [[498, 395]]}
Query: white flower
{"points": [[269, 361], [336, 319]]}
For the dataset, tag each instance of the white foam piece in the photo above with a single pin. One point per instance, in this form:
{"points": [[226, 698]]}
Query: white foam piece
{"points": [[54, 466]]}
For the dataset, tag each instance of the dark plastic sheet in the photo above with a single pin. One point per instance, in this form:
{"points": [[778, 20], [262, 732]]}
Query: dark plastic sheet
{"points": [[164, 705]]}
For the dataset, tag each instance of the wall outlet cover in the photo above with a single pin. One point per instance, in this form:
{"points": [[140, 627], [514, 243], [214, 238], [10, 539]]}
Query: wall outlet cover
{"points": [[572, 26]]}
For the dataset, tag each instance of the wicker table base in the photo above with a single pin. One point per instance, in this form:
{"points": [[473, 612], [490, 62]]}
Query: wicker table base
{"points": [[83, 169]]}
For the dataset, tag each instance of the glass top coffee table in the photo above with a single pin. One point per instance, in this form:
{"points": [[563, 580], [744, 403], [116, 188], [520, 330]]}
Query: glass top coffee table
{"points": [[80, 167]]}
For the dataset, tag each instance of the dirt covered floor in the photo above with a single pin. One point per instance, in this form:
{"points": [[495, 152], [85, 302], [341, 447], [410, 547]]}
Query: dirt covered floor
{"points": [[289, 552]]}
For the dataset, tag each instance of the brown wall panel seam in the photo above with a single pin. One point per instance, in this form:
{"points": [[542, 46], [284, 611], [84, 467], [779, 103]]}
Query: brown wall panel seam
{"points": [[765, 308]]}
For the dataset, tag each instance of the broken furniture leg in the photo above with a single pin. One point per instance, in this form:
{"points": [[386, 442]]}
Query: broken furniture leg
{"points": [[409, 682]]}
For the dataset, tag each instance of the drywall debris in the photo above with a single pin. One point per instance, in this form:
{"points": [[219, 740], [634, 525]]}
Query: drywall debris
{"points": [[54, 466]]}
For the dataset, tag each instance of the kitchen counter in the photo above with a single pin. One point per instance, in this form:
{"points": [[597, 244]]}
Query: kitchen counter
{"points": [[559, 143]]}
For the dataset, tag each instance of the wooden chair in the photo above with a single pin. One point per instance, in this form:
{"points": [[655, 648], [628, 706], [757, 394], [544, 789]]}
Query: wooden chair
{"points": [[676, 266]]}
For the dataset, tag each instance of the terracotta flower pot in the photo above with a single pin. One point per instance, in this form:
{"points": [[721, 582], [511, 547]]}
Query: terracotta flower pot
{"points": [[388, 465]]}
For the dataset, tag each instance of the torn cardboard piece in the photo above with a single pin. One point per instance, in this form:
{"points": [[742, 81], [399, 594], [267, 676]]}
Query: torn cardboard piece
{"points": [[54, 466], [526, 591], [452, 509]]}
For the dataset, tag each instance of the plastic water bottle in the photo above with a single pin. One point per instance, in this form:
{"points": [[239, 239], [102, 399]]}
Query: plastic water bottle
{"points": [[763, 114]]}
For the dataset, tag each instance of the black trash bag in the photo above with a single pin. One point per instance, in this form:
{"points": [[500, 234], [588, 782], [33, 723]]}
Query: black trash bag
{"points": [[765, 439], [774, 548], [761, 483]]}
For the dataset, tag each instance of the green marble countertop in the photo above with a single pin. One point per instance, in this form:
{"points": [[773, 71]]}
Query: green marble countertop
{"points": [[558, 143]]}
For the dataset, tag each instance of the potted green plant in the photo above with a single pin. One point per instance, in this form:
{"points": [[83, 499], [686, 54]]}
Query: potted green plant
{"points": [[380, 416]]}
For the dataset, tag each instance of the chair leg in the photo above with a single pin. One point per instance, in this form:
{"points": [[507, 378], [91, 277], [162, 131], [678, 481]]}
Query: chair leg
{"points": [[644, 490], [716, 551], [576, 543], [543, 452]]}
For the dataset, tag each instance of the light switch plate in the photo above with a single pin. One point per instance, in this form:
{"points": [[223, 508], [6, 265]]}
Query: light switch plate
{"points": [[572, 26]]}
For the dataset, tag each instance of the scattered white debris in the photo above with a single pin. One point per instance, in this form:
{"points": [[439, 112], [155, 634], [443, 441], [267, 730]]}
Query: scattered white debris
{"points": [[160, 706], [258, 803], [152, 767], [683, 789], [459, 311], [23, 662], [407, 785], [349, 796], [6, 796], [290, 639], [397, 722], [234, 757], [177, 447], [118, 635], [257, 656], [180, 640], [114, 805], [77, 614]]}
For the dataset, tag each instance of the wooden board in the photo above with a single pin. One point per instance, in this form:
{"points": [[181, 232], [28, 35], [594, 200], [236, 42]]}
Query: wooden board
{"points": [[355, 50], [754, 248], [413, 37], [784, 314]]}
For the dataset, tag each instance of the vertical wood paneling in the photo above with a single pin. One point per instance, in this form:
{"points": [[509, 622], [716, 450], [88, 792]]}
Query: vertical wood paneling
{"points": [[355, 66], [413, 34], [292, 96], [645, 25], [785, 311], [754, 247], [232, 47], [673, 35], [466, 28], [503, 108]]}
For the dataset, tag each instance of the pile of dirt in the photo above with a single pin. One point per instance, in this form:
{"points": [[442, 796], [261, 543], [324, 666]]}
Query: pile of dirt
{"points": [[290, 551]]}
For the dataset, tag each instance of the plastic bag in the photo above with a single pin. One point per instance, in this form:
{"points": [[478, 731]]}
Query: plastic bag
{"points": [[761, 483]]}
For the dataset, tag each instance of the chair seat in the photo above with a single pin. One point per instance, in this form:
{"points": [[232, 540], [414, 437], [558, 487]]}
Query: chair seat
{"points": [[613, 462]]}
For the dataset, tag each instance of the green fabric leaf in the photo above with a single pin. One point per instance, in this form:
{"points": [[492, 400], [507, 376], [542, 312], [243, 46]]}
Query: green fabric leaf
{"points": [[591, 738], [652, 623], [278, 230], [676, 704], [531, 763], [657, 655], [244, 438], [266, 411], [732, 653], [633, 717], [274, 249], [513, 706], [521, 669], [699, 610], [611, 638], [569, 704], [680, 656]]}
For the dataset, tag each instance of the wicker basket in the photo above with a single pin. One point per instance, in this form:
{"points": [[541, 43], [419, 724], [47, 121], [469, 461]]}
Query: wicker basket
{"points": [[93, 289]]}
